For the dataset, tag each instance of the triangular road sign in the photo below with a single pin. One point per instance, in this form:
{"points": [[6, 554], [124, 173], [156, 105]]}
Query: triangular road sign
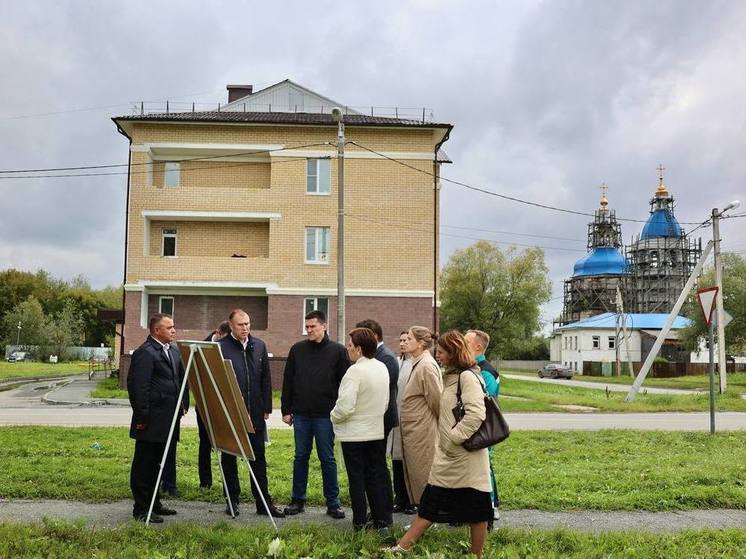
{"points": [[706, 297]]}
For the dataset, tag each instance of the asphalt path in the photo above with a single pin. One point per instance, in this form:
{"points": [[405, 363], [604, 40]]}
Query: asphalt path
{"points": [[110, 515], [603, 386]]}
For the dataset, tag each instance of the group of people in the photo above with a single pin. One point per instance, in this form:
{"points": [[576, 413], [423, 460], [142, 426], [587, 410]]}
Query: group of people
{"points": [[375, 403]]}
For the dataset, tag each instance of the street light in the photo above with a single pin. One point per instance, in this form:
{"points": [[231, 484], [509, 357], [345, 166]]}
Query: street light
{"points": [[18, 337], [719, 309]]}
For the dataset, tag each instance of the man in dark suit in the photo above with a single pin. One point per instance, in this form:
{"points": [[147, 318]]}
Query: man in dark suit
{"points": [[248, 354], [154, 381], [203, 457]]}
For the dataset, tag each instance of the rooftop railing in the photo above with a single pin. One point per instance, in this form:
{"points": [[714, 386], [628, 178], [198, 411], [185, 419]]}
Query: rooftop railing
{"points": [[422, 114]]}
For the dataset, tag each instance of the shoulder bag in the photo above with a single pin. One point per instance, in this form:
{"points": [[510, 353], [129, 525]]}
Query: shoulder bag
{"points": [[493, 430]]}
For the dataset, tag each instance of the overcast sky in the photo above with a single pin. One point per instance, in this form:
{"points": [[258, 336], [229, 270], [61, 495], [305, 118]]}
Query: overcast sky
{"points": [[548, 99]]}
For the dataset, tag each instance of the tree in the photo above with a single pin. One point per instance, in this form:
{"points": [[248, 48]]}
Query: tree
{"points": [[734, 301], [65, 330], [497, 291], [30, 316]]}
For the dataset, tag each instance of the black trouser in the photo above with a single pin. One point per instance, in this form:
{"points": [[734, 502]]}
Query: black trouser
{"points": [[168, 479], [401, 497], [144, 474], [368, 476], [203, 458], [259, 466]]}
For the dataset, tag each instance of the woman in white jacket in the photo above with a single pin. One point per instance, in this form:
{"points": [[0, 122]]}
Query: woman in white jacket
{"points": [[358, 424]]}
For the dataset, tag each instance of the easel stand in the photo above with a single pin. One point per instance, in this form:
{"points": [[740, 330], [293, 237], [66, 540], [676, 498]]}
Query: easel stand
{"points": [[193, 350]]}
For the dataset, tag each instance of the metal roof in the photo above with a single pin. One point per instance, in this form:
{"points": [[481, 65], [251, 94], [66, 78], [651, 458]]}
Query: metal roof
{"points": [[279, 118], [602, 261], [661, 223], [633, 321]]}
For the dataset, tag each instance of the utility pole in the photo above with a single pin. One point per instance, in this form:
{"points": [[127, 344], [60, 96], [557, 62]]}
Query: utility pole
{"points": [[619, 311], [719, 309], [339, 118], [18, 337]]}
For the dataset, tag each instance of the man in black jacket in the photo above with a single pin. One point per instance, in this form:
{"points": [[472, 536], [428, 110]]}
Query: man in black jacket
{"points": [[153, 383], [248, 354], [313, 371]]}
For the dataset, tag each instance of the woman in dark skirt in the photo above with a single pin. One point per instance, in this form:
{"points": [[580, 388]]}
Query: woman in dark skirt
{"points": [[458, 489]]}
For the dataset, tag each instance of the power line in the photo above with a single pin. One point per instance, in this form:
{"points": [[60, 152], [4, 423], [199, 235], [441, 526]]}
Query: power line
{"points": [[424, 230], [99, 108], [512, 233], [205, 158], [492, 193]]}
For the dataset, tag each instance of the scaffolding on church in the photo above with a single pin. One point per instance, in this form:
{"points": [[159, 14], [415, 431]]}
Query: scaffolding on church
{"points": [[659, 269]]}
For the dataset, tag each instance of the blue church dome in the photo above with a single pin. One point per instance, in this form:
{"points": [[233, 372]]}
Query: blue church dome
{"points": [[602, 261], [661, 223]]}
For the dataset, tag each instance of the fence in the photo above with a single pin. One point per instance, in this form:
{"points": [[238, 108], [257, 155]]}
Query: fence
{"points": [[658, 370], [522, 365], [74, 353]]}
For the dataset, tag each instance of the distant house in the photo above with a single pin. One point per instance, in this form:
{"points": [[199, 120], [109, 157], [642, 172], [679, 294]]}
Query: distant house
{"points": [[594, 340], [237, 207]]}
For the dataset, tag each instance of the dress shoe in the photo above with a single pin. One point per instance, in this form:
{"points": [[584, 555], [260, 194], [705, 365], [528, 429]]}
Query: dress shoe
{"points": [[398, 508], [273, 510], [336, 513], [235, 510], [411, 509], [164, 511], [295, 507], [154, 518]]}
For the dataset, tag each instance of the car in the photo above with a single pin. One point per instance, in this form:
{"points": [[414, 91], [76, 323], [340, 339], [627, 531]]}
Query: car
{"points": [[555, 370], [19, 356]]}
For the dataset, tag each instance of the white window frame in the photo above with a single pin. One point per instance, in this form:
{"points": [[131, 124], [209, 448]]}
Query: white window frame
{"points": [[612, 342], [315, 308], [174, 171], [596, 342], [317, 235], [175, 236], [317, 176], [160, 304]]}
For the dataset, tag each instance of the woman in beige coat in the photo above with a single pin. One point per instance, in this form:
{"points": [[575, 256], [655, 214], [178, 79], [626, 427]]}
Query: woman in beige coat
{"points": [[458, 489], [418, 413]]}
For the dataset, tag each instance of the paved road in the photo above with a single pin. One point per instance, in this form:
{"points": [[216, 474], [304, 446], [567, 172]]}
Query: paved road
{"points": [[109, 515], [120, 417], [30, 405], [603, 386]]}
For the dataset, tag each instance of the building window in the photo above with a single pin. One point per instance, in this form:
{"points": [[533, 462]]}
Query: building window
{"points": [[566, 338], [596, 342], [314, 304], [576, 342], [317, 245], [169, 242], [166, 305], [172, 173], [318, 179], [612, 342]]}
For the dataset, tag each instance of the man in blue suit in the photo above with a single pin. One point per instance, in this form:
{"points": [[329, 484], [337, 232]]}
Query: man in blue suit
{"points": [[248, 354], [153, 383]]}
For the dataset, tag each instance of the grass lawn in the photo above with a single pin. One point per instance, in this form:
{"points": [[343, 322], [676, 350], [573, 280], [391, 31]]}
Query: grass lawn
{"points": [[185, 541], [33, 369], [736, 381], [607, 470], [546, 396]]}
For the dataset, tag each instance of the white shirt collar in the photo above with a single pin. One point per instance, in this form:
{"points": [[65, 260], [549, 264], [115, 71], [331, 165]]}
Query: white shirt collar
{"points": [[244, 344]]}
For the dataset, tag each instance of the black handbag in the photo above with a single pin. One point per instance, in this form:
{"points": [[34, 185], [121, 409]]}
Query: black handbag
{"points": [[493, 430]]}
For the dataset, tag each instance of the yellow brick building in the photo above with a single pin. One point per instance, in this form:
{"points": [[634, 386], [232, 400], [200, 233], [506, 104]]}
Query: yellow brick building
{"points": [[238, 208]]}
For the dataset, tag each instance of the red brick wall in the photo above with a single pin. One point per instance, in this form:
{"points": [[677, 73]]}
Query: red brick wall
{"points": [[282, 321]]}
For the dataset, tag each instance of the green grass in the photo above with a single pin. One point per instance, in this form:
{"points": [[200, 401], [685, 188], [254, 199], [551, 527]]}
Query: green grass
{"points": [[736, 381], [33, 370], [188, 541], [109, 388], [545, 396], [607, 470]]}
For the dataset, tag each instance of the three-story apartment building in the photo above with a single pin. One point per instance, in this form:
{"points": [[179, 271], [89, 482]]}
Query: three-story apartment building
{"points": [[237, 207]]}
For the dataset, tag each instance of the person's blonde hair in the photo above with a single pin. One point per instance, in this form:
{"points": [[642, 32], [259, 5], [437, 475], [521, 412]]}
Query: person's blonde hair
{"points": [[454, 344], [423, 335], [483, 337]]}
